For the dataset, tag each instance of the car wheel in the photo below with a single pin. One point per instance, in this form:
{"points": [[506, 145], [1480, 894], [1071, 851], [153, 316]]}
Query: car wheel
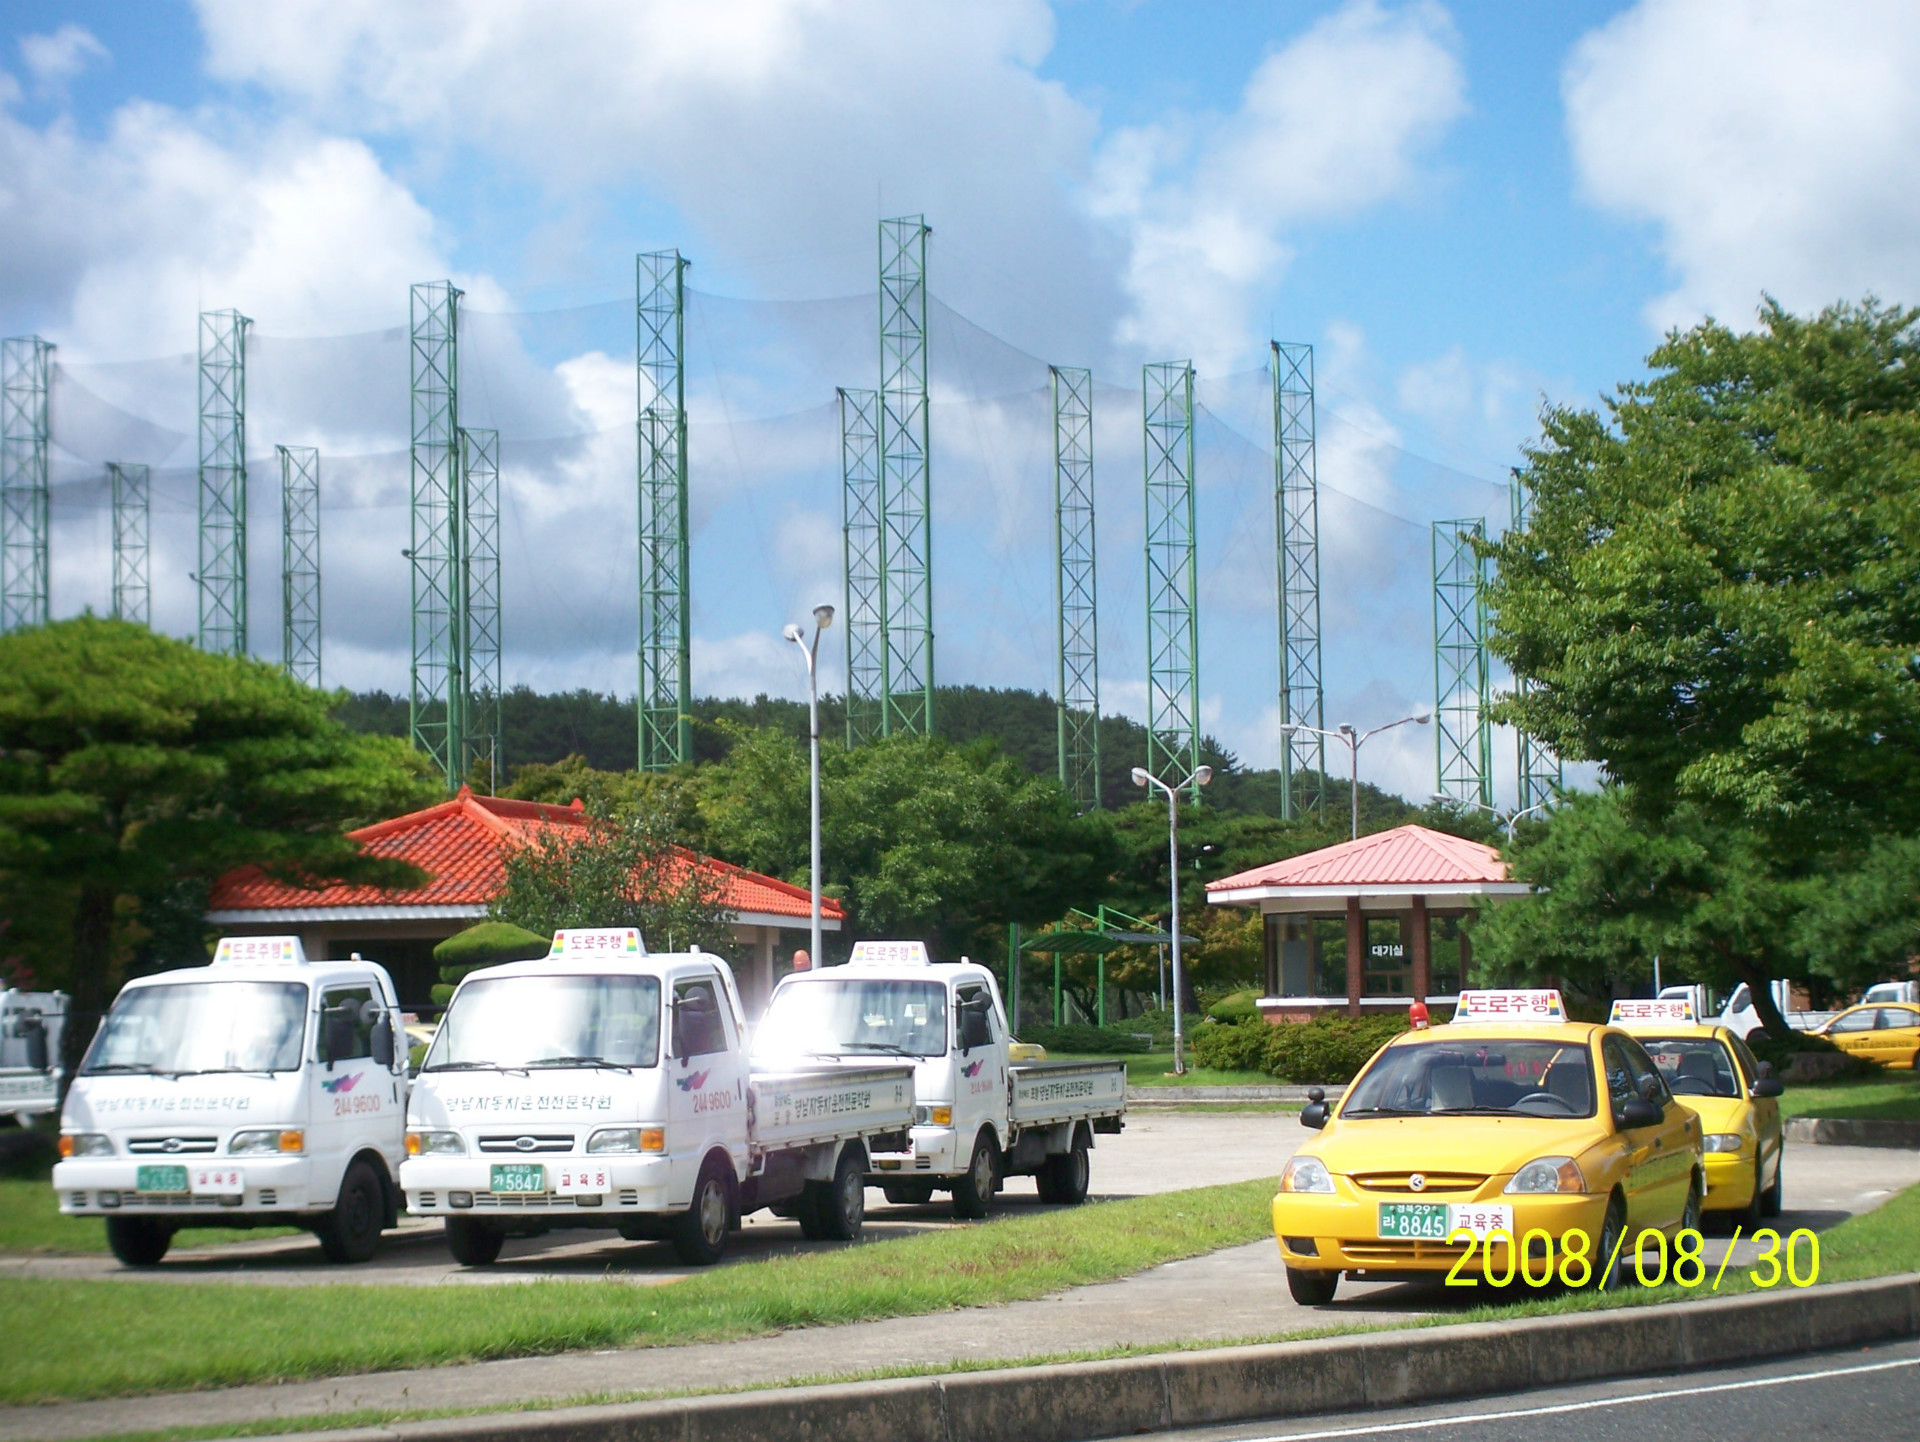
{"points": [[1611, 1231], [1312, 1289], [1776, 1194], [700, 1238], [351, 1231], [474, 1244], [973, 1189], [1690, 1214], [1750, 1215], [138, 1241], [908, 1194], [841, 1206]]}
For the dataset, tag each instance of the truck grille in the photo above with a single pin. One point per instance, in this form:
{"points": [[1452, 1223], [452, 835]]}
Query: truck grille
{"points": [[172, 1146], [542, 1142]]}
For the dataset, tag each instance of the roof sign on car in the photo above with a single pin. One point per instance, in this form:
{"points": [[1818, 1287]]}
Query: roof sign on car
{"points": [[891, 953], [1673, 1010], [598, 941], [1524, 1006], [259, 951]]}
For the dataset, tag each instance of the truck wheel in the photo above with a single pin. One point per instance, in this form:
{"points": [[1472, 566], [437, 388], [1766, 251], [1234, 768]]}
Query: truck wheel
{"points": [[474, 1244], [841, 1207], [700, 1239], [1312, 1289], [351, 1231], [806, 1211], [1071, 1170], [908, 1194], [138, 1241], [973, 1188]]}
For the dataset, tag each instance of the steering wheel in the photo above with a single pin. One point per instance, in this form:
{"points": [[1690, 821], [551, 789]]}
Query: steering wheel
{"points": [[1690, 1086], [1547, 1097]]}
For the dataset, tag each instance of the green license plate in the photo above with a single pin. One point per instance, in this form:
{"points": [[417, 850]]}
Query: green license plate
{"points": [[167, 1180], [520, 1178], [1414, 1221]]}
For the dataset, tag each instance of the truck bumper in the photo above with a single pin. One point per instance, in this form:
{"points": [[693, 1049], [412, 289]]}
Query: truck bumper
{"points": [[105, 1186], [932, 1151], [462, 1186]]}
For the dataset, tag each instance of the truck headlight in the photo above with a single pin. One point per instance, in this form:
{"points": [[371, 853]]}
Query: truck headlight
{"points": [[85, 1144], [435, 1144], [619, 1140], [1548, 1174], [1722, 1141], [933, 1116], [266, 1142], [1306, 1174]]}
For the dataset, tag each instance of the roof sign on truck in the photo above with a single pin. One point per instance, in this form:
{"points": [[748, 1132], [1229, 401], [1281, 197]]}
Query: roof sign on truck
{"points": [[260, 951], [599, 941], [1676, 1010], [891, 953], [1529, 1006]]}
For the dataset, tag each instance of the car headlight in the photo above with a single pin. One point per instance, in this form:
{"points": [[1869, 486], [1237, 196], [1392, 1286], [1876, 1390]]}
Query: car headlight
{"points": [[624, 1140], [1548, 1174], [85, 1144], [1306, 1174], [1722, 1141], [266, 1142], [933, 1116], [435, 1144]]}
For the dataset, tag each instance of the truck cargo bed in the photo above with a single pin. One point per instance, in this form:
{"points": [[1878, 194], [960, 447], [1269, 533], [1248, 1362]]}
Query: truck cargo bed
{"points": [[797, 1108], [1049, 1092]]}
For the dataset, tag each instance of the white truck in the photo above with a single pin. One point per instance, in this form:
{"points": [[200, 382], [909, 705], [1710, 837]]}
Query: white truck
{"points": [[31, 1026], [605, 1087], [980, 1117], [261, 1090], [1740, 1015]]}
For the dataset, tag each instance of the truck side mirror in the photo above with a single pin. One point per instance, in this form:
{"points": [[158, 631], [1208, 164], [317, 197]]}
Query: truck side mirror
{"points": [[974, 1030], [1314, 1113], [1766, 1086], [336, 1035], [32, 1029], [382, 1041]]}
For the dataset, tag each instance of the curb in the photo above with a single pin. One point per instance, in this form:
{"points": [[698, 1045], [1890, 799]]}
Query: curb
{"points": [[1853, 1132], [1075, 1401]]}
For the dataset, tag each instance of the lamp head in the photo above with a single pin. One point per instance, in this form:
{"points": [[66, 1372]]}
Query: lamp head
{"points": [[1139, 774], [1423, 718], [823, 616], [1344, 728], [1203, 774], [794, 634]]}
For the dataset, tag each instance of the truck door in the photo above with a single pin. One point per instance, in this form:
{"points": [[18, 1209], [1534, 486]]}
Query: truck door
{"points": [[350, 1100], [706, 1105], [980, 1081]]}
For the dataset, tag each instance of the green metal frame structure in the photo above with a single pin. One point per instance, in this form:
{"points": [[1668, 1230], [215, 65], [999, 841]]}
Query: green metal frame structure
{"points": [[438, 692], [1296, 511], [906, 537], [223, 482], [1077, 702], [1541, 775], [480, 607], [861, 527], [666, 668], [1173, 619], [300, 562], [26, 368], [1463, 734], [131, 490]]}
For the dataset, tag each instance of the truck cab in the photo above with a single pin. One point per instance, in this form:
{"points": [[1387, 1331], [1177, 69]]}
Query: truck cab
{"points": [[263, 1089], [31, 1026]]}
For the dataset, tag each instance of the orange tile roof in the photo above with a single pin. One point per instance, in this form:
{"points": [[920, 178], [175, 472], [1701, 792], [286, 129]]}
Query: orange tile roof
{"points": [[460, 843], [1404, 856]]}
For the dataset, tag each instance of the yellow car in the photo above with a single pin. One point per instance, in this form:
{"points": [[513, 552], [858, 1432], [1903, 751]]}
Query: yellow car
{"points": [[1710, 1071], [1492, 1126], [1887, 1034]]}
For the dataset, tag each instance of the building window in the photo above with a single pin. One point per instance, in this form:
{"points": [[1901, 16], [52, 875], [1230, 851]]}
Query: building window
{"points": [[1452, 952], [1306, 955], [1388, 958]]}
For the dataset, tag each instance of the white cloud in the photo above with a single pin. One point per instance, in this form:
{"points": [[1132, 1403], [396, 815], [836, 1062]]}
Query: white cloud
{"points": [[55, 59], [1772, 145]]}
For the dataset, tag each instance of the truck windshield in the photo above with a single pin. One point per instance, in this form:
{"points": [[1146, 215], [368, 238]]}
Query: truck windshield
{"points": [[1495, 1076], [865, 1014], [552, 1021], [202, 1026]]}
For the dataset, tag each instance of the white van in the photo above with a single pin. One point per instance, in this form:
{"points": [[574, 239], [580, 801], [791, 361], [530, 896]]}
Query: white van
{"points": [[261, 1090]]}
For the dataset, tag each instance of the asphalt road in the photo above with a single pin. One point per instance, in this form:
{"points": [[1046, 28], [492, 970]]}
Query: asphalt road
{"points": [[1858, 1396]]}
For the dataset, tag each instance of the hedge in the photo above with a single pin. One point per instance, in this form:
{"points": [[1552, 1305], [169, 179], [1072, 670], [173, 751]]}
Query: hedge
{"points": [[1329, 1049], [1093, 1039]]}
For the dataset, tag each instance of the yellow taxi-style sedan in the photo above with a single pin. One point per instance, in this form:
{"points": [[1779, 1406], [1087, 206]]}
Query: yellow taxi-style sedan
{"points": [[1711, 1072], [1888, 1034], [1510, 1121]]}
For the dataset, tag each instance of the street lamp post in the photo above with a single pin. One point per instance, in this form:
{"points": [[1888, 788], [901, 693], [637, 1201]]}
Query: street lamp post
{"points": [[1510, 820], [822, 618], [1201, 776], [1353, 741]]}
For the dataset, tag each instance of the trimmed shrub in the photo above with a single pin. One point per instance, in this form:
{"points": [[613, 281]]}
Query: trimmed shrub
{"points": [[487, 944], [1231, 1045], [1239, 1006], [1094, 1039], [1328, 1049]]}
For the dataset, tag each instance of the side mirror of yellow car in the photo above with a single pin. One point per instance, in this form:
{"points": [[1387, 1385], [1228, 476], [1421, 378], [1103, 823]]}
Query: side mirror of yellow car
{"points": [[1767, 1086], [1314, 1113]]}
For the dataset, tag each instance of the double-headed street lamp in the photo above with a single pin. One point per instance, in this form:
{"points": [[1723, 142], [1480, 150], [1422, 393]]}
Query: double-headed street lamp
{"points": [[822, 618], [1201, 776], [1353, 741], [1508, 819]]}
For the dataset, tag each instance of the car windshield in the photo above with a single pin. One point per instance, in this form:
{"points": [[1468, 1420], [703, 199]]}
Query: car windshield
{"points": [[202, 1026], [858, 1014], [1693, 1066], [1519, 1076], [554, 1021]]}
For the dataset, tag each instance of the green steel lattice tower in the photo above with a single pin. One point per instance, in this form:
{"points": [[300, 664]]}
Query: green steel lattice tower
{"points": [[1463, 734], [300, 562], [666, 696], [1541, 775], [1296, 508], [906, 540], [861, 524], [223, 482], [480, 604], [438, 695], [1078, 703], [131, 486], [26, 367], [1173, 620]]}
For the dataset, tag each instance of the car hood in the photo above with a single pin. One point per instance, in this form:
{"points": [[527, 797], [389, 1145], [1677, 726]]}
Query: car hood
{"points": [[1489, 1146], [1718, 1114]]}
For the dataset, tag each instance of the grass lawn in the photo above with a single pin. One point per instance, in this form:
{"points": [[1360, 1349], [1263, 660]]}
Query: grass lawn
{"points": [[96, 1339], [30, 1221], [1155, 1069], [1893, 1095]]}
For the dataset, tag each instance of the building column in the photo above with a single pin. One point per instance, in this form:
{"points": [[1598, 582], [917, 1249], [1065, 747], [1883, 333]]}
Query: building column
{"points": [[1422, 943], [763, 962], [1356, 956]]}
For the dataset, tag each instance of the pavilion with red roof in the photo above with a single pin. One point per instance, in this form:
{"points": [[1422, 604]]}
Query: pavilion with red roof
{"points": [[460, 844], [1369, 925]]}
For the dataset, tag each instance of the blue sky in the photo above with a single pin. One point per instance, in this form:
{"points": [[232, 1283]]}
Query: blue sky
{"points": [[1465, 208]]}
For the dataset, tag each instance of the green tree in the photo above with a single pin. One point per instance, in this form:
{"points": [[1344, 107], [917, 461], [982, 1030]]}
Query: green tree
{"points": [[134, 768]]}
